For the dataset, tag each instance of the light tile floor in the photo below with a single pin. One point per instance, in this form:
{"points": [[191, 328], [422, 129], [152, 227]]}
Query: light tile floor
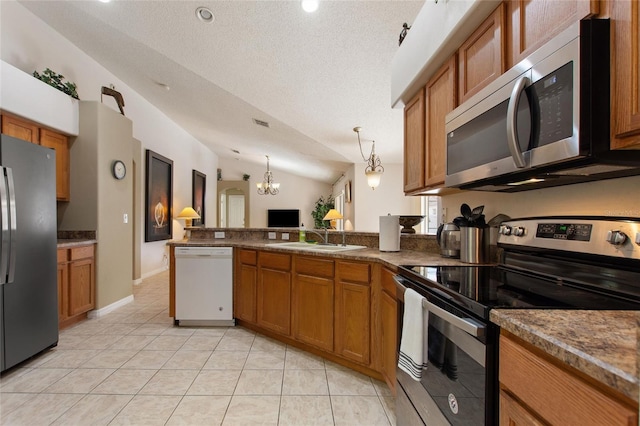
{"points": [[133, 367]]}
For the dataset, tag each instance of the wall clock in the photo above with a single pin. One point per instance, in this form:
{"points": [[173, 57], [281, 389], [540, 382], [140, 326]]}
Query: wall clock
{"points": [[119, 170]]}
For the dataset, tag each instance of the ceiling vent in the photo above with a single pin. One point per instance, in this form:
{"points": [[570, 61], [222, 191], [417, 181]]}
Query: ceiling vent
{"points": [[261, 123]]}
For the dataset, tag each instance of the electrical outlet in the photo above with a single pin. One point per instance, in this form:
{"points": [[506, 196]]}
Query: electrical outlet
{"points": [[219, 234], [285, 235], [272, 235]]}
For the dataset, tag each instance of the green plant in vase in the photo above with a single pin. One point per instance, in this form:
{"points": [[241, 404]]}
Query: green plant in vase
{"points": [[323, 205]]}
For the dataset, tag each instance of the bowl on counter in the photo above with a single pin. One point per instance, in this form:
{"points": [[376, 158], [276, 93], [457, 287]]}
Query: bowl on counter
{"points": [[408, 222]]}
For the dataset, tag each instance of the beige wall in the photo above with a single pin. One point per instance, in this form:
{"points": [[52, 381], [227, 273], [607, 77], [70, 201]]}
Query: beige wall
{"points": [[99, 201], [613, 197]]}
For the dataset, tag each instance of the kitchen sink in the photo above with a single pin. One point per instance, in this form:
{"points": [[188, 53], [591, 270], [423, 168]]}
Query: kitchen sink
{"points": [[326, 248]]}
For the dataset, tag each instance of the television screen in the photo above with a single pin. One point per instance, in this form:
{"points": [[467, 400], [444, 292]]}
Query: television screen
{"points": [[283, 218]]}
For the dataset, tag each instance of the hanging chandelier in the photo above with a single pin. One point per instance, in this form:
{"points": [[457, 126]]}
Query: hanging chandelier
{"points": [[374, 169], [268, 186]]}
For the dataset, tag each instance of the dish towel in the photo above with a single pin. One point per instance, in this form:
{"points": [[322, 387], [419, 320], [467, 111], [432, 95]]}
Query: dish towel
{"points": [[414, 342]]}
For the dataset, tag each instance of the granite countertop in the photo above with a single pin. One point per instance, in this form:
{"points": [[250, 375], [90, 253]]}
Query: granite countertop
{"points": [[601, 344], [390, 259], [74, 242]]}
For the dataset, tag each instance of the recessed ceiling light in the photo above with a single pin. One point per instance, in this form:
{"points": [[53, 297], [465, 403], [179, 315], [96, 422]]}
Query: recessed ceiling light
{"points": [[310, 6], [104, 1], [205, 15]]}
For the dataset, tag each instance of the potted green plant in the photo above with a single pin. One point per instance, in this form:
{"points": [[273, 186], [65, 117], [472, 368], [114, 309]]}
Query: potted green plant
{"points": [[246, 177], [323, 205], [54, 80]]}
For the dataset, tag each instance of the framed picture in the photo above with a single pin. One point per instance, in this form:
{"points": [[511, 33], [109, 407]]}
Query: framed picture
{"points": [[347, 191], [158, 219], [198, 186]]}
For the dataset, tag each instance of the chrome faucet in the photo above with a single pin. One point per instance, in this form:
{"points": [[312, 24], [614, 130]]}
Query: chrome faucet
{"points": [[325, 238]]}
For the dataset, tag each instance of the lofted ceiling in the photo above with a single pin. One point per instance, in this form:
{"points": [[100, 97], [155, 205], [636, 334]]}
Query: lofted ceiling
{"points": [[312, 77]]}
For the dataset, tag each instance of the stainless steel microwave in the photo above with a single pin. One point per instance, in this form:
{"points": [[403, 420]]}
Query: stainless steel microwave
{"points": [[545, 122]]}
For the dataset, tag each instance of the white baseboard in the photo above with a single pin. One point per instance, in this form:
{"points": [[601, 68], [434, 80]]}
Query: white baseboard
{"points": [[97, 313], [137, 282], [154, 272]]}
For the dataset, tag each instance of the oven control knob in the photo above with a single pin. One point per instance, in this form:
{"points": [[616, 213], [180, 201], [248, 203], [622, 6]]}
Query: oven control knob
{"points": [[518, 231], [616, 237], [505, 230]]}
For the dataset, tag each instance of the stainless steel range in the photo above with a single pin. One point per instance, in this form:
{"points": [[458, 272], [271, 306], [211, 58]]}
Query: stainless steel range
{"points": [[546, 263]]}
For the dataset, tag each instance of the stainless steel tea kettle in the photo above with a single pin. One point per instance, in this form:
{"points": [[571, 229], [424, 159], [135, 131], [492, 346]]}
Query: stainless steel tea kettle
{"points": [[448, 237]]}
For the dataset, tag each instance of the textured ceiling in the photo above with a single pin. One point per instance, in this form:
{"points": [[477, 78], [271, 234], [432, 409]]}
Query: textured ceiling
{"points": [[313, 77]]}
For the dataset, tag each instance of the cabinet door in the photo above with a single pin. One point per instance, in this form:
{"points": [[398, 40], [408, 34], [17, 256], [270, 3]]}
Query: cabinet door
{"points": [[61, 144], [274, 300], [245, 293], [63, 290], [313, 311], [534, 22], [81, 286], [481, 58], [514, 414], [353, 321], [414, 143], [440, 99], [625, 99], [389, 322], [21, 129]]}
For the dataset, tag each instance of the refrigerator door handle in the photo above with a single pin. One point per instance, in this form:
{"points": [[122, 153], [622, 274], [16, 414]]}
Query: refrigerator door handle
{"points": [[12, 226], [5, 236]]}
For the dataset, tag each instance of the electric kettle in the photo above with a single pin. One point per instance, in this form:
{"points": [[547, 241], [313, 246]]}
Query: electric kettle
{"points": [[448, 237]]}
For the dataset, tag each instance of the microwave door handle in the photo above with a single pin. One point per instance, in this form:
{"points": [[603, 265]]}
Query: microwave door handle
{"points": [[512, 130]]}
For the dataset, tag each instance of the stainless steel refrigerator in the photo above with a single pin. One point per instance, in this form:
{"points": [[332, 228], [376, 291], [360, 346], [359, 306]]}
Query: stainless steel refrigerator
{"points": [[28, 271]]}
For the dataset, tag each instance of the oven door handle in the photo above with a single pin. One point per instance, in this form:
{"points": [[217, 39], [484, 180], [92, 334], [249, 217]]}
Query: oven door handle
{"points": [[468, 325]]}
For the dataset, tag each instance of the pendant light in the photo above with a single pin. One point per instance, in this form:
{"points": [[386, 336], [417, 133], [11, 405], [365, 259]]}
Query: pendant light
{"points": [[374, 168], [268, 186]]}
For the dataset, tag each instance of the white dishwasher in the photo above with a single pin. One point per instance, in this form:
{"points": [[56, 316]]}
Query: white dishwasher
{"points": [[204, 286]]}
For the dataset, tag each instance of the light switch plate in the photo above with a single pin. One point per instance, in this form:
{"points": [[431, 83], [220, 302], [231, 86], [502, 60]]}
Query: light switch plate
{"points": [[125, 218], [285, 235], [272, 235], [219, 234]]}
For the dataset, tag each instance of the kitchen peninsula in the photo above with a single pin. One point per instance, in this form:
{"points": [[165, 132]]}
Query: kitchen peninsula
{"points": [[362, 282]]}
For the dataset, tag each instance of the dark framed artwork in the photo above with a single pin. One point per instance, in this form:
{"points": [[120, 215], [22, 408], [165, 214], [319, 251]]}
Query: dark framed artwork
{"points": [[347, 191], [199, 187], [158, 218]]}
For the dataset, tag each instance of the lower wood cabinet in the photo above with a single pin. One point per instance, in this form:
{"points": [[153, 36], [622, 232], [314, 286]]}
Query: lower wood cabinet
{"points": [[353, 310], [76, 283], [274, 292], [539, 389], [313, 306], [245, 286], [389, 327]]}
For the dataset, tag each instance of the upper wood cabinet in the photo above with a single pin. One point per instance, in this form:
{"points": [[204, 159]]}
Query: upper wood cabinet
{"points": [[440, 99], [60, 143], [534, 22], [414, 143], [481, 59], [19, 128], [29, 131], [625, 74]]}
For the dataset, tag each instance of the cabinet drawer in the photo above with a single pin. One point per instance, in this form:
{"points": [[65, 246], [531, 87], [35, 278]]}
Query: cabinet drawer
{"points": [[81, 252], [315, 267], [63, 255], [354, 272], [280, 262], [555, 393], [248, 257], [388, 283]]}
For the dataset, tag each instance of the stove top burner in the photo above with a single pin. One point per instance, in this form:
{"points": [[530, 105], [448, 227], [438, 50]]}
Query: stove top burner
{"points": [[481, 288]]}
